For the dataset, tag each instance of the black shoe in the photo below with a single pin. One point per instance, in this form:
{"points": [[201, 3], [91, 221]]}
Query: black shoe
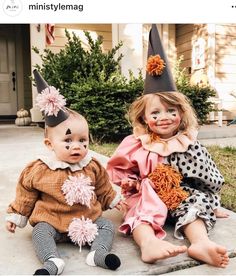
{"points": [[112, 261], [41, 271]]}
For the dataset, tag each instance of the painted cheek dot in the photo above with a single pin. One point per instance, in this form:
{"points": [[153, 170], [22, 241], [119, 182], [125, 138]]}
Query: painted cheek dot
{"points": [[67, 147]]}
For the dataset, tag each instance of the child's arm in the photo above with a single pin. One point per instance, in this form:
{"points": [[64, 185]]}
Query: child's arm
{"points": [[198, 169], [122, 206], [17, 219], [129, 186], [26, 196], [123, 165], [104, 191]]}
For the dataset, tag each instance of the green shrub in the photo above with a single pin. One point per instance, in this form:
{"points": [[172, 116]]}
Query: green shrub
{"points": [[92, 84], [105, 103], [198, 95]]}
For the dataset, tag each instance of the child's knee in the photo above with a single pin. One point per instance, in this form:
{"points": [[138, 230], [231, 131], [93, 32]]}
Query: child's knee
{"points": [[104, 223], [42, 228]]}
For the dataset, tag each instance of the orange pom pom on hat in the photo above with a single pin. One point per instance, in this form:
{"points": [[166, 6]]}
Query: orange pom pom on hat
{"points": [[158, 77]]}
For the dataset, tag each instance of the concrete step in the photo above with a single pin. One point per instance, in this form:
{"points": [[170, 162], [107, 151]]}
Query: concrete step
{"points": [[213, 131]]}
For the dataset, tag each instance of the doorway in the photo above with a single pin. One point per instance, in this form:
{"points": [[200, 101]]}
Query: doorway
{"points": [[8, 88], [15, 69]]}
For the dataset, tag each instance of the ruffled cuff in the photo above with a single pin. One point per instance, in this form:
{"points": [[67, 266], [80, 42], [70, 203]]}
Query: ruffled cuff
{"points": [[115, 201], [17, 219]]}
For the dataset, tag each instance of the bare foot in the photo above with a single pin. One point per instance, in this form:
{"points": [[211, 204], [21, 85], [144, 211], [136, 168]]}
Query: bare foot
{"points": [[156, 249], [210, 253], [220, 214]]}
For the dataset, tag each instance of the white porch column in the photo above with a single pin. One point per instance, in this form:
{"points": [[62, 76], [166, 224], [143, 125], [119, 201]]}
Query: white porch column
{"points": [[211, 54], [211, 44], [132, 37], [37, 39]]}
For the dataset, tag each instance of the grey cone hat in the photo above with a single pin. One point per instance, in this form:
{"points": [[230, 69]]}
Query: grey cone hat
{"points": [[50, 120], [163, 82]]}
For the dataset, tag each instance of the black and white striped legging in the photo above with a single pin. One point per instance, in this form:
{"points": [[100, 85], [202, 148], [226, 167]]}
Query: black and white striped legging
{"points": [[45, 237]]}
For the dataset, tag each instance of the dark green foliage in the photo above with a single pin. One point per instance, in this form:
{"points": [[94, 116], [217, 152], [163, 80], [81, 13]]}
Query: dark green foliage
{"points": [[198, 95], [105, 103], [92, 84]]}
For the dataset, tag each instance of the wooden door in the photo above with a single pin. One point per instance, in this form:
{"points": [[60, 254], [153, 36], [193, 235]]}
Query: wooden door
{"points": [[8, 89]]}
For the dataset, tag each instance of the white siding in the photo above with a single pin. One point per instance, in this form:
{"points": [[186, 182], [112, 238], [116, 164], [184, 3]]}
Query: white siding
{"points": [[95, 30]]}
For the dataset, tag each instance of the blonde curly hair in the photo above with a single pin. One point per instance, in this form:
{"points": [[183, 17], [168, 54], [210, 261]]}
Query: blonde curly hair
{"points": [[136, 111]]}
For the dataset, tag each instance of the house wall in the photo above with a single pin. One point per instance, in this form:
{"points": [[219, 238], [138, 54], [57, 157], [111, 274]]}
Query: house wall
{"points": [[104, 30], [131, 35], [134, 37], [219, 59], [172, 49], [186, 36], [225, 66]]}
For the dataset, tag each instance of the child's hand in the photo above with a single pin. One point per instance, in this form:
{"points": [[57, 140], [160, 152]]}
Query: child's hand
{"points": [[11, 227], [129, 186], [220, 214], [122, 206]]}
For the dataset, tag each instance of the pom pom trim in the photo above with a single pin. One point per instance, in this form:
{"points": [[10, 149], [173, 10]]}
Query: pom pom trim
{"points": [[82, 231], [155, 65], [166, 183], [50, 101], [78, 189]]}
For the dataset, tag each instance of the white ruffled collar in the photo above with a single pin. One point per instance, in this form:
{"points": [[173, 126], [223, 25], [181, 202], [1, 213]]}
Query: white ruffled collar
{"points": [[54, 164], [178, 143]]}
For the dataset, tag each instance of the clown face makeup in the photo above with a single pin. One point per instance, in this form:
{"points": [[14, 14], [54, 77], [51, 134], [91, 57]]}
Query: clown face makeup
{"points": [[69, 140], [161, 118]]}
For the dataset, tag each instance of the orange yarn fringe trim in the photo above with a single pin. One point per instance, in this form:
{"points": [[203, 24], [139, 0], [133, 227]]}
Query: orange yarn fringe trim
{"points": [[166, 182], [155, 138], [155, 65]]}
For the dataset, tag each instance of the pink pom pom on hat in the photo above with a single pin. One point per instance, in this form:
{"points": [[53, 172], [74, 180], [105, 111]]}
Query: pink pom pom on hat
{"points": [[50, 102], [82, 231]]}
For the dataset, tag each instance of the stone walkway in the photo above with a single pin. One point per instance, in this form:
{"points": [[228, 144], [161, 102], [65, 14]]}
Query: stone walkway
{"points": [[20, 145]]}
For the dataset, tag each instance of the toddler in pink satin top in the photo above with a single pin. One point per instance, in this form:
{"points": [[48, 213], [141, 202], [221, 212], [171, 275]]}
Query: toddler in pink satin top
{"points": [[165, 131]]}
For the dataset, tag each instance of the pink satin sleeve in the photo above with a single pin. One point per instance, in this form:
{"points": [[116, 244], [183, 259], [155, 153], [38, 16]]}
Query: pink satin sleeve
{"points": [[131, 160]]}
